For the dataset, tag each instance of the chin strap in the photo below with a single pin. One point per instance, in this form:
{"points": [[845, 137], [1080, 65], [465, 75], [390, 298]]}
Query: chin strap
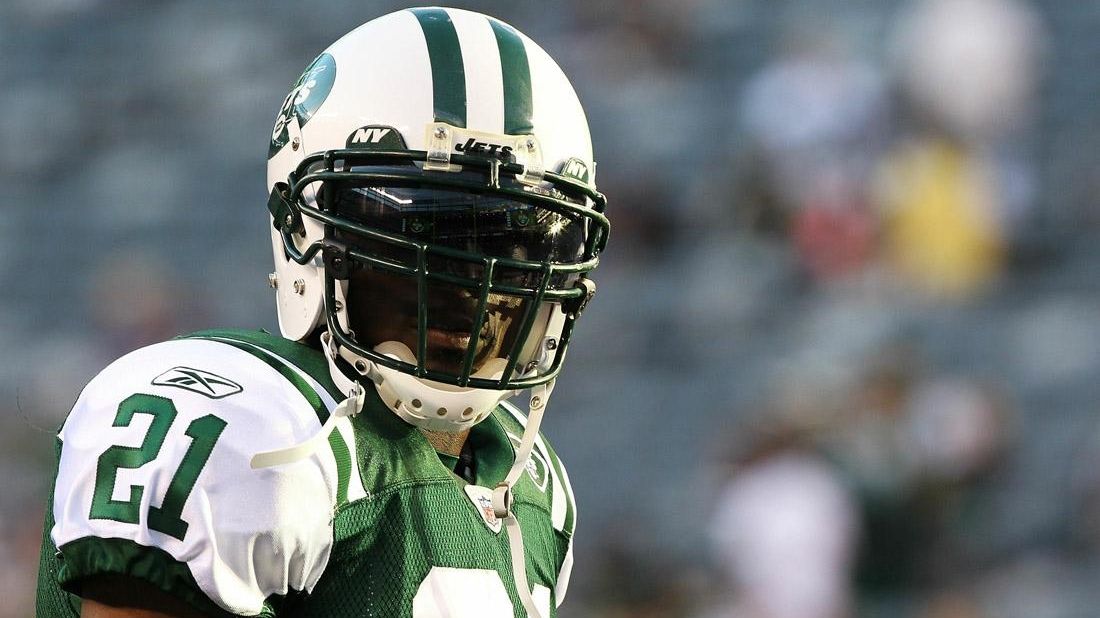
{"points": [[502, 496], [348, 407]]}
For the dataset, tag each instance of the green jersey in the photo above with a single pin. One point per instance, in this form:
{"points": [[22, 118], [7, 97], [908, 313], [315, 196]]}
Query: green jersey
{"points": [[154, 482]]}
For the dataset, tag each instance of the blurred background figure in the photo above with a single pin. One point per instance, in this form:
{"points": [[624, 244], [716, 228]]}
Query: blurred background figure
{"points": [[785, 530], [959, 185], [814, 119], [856, 251]]}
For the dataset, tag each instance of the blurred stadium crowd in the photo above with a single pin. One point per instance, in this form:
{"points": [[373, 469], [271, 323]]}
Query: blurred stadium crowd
{"points": [[845, 357]]}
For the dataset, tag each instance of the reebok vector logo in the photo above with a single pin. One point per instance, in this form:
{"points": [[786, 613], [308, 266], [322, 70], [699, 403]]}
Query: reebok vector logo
{"points": [[198, 381]]}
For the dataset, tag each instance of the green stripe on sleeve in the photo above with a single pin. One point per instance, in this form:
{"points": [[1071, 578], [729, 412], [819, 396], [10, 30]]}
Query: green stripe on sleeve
{"points": [[448, 72], [89, 557], [516, 72], [342, 454]]}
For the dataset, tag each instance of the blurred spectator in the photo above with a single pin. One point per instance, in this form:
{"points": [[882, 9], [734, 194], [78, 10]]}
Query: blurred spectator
{"points": [[877, 460], [921, 447], [633, 583], [814, 118], [785, 530], [970, 66], [956, 190], [952, 604], [942, 232]]}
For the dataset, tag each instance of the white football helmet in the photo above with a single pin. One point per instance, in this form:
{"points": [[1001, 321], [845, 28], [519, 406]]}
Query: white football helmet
{"points": [[434, 212]]}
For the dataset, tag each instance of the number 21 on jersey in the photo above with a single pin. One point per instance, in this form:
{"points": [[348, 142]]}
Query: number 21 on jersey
{"points": [[166, 518]]}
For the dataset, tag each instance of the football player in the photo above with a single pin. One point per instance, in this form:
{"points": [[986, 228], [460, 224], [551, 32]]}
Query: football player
{"points": [[434, 221]]}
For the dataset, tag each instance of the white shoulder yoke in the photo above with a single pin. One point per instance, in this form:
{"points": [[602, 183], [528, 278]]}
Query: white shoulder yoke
{"points": [[156, 451]]}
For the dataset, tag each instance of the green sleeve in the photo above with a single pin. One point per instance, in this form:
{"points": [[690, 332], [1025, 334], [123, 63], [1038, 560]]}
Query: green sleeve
{"points": [[91, 556]]}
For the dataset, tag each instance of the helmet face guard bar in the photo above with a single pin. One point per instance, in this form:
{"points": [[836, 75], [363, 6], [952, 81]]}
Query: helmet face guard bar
{"points": [[544, 281]]}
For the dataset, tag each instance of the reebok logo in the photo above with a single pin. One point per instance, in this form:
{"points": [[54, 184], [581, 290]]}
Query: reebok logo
{"points": [[369, 135], [198, 381], [474, 147]]}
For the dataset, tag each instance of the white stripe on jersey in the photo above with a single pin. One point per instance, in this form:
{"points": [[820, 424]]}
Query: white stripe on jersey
{"points": [[558, 505]]}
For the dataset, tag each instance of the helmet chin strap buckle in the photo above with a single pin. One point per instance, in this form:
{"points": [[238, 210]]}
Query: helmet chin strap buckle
{"points": [[502, 500], [503, 497]]}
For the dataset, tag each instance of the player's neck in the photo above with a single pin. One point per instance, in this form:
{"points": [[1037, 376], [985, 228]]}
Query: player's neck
{"points": [[447, 443]]}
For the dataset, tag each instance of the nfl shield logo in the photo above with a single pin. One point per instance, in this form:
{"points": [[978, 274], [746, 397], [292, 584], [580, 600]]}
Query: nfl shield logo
{"points": [[482, 499]]}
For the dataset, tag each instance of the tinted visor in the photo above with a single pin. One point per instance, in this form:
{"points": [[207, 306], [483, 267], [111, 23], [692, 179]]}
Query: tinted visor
{"points": [[478, 224], [448, 316]]}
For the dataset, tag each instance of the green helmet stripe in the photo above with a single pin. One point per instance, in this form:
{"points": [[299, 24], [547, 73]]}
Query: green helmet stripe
{"points": [[516, 72], [448, 72]]}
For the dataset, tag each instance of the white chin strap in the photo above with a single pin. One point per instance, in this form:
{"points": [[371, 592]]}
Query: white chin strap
{"points": [[348, 407], [502, 493]]}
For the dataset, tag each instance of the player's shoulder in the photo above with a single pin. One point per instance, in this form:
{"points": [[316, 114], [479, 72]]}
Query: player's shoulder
{"points": [[545, 470], [274, 350], [155, 468], [237, 371]]}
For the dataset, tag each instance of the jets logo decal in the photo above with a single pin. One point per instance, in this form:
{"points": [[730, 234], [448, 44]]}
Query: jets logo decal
{"points": [[309, 92], [198, 381]]}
